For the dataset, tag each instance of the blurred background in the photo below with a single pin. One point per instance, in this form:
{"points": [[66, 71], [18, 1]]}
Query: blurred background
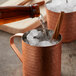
{"points": [[2, 1]]}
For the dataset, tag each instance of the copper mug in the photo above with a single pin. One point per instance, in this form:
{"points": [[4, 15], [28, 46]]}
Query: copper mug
{"points": [[38, 61], [68, 27]]}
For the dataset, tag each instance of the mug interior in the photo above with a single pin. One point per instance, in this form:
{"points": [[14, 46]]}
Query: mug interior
{"points": [[24, 37]]}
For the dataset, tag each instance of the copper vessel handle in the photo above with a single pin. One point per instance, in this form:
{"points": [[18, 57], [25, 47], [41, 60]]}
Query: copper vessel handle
{"points": [[14, 46]]}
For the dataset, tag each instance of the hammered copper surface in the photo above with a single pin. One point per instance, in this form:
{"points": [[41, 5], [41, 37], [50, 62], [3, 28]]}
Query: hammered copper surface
{"points": [[39, 61], [68, 27]]}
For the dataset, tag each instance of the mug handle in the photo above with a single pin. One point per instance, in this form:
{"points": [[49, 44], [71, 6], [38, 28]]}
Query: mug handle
{"points": [[14, 46]]}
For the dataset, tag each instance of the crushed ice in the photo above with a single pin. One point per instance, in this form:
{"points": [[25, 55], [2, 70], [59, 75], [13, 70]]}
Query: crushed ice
{"points": [[62, 5], [36, 38]]}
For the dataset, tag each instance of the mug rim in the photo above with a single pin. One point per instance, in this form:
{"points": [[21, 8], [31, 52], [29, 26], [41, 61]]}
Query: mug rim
{"points": [[60, 40]]}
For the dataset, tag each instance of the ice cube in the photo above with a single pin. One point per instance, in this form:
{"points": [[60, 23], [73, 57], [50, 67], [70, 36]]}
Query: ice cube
{"points": [[51, 6], [55, 3], [40, 34], [61, 5], [72, 2], [34, 32], [34, 42], [44, 43], [48, 43], [29, 37], [36, 38]]}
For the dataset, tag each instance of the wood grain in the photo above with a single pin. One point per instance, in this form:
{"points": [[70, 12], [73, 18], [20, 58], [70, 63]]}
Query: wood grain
{"points": [[40, 3], [24, 2]]}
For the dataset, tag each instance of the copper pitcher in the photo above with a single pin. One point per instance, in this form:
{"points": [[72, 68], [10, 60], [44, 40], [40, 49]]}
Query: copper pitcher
{"points": [[39, 61], [68, 27]]}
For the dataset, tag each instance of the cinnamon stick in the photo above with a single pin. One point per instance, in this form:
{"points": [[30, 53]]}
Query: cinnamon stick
{"points": [[57, 28], [24, 2]]}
